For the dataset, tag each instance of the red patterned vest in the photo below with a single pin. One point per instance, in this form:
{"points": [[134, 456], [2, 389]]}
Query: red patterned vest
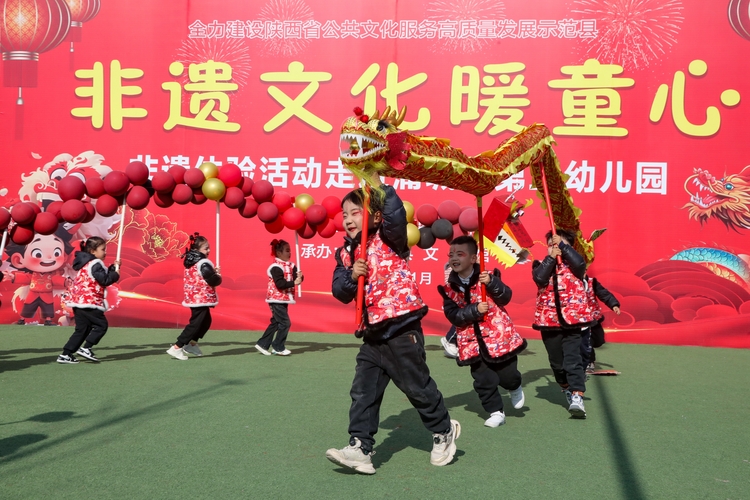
{"points": [[499, 334], [596, 308], [569, 302], [86, 292], [390, 290], [275, 295], [198, 293]]}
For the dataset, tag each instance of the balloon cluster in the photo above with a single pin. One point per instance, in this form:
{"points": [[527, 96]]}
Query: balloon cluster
{"points": [[300, 214], [439, 223]]}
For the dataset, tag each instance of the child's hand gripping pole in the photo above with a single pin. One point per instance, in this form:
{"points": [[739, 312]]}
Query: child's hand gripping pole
{"points": [[480, 229], [549, 204], [363, 254]]}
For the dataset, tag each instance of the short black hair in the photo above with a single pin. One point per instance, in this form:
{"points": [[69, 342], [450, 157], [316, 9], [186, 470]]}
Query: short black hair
{"points": [[466, 240], [357, 198], [564, 234]]}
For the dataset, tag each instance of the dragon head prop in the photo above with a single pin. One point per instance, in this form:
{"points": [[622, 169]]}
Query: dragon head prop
{"points": [[505, 237], [726, 199], [373, 142]]}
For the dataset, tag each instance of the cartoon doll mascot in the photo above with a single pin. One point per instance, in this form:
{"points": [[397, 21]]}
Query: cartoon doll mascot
{"points": [[40, 267]]}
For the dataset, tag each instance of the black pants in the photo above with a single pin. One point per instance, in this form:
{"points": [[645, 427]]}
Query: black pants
{"points": [[200, 322], [587, 352], [279, 325], [564, 353], [47, 310], [91, 325], [403, 360], [487, 377]]}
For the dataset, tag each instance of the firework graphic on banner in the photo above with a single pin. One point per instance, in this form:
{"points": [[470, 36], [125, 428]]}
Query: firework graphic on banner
{"points": [[232, 51], [631, 33], [287, 18], [463, 10]]}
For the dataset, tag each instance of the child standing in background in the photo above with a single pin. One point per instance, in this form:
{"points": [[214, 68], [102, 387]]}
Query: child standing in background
{"points": [[595, 336], [200, 282], [283, 276], [88, 299]]}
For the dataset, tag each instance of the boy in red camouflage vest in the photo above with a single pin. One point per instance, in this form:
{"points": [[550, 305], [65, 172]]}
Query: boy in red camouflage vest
{"points": [[563, 311], [393, 342], [487, 339]]}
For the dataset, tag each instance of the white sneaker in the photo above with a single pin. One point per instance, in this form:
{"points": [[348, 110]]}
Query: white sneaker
{"points": [[193, 349], [568, 394], [88, 354], [261, 350], [353, 457], [178, 353], [444, 445], [576, 408], [451, 351], [517, 398], [496, 419], [285, 352]]}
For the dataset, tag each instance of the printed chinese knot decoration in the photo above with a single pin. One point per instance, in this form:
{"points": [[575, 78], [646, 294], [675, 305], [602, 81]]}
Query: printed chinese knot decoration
{"points": [[28, 28]]}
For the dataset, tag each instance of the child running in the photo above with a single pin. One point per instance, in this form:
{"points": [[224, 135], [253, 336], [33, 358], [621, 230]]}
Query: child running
{"points": [[595, 336], [563, 311], [200, 282], [283, 276], [88, 295], [393, 342], [487, 340]]}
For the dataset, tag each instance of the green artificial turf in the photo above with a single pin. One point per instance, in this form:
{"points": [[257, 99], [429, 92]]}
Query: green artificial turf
{"points": [[236, 424]]}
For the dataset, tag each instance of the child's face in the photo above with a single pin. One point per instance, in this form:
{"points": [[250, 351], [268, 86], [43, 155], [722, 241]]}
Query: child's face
{"points": [[43, 255], [285, 253], [100, 252], [353, 218], [461, 259], [204, 248]]}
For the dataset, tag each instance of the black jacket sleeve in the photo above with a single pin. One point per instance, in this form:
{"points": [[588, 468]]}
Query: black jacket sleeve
{"points": [[209, 274], [104, 277], [605, 295], [278, 279], [393, 228], [343, 287], [574, 260], [459, 316], [542, 271], [497, 290]]}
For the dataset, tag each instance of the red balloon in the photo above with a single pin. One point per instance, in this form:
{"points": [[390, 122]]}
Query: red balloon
{"points": [[198, 197], [35, 207], [46, 223], [332, 205], [316, 214], [230, 174], [4, 218], [247, 186], [95, 187], [71, 188], [137, 172], [106, 205], [178, 173], [73, 211], [338, 220], [54, 208], [194, 178], [294, 218], [450, 210], [427, 215], [234, 197], [249, 209], [116, 183], [182, 194], [327, 230], [137, 198], [163, 200], [275, 227], [307, 232], [267, 212], [282, 201], [262, 191], [468, 220], [23, 213], [90, 212], [163, 182], [22, 235]]}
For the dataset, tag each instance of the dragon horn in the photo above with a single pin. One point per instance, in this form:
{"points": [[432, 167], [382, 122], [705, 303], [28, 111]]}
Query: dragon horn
{"points": [[377, 114], [385, 113], [401, 116]]}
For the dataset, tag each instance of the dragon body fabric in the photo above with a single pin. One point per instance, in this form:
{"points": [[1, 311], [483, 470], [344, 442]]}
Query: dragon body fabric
{"points": [[375, 144]]}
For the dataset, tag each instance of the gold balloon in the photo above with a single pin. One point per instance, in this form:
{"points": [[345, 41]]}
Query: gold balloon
{"points": [[214, 189], [303, 201], [409, 211], [412, 234], [210, 170]]}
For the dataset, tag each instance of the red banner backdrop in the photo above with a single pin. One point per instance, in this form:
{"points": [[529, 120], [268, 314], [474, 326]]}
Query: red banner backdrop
{"points": [[645, 101]]}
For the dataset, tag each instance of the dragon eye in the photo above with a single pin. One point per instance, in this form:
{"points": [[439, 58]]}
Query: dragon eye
{"points": [[728, 186], [382, 125]]}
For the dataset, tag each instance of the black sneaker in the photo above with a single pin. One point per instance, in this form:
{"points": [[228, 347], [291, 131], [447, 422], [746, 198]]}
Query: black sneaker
{"points": [[88, 354], [49, 322], [67, 359], [21, 322]]}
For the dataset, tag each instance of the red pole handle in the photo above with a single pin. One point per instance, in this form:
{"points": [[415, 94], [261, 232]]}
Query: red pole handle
{"points": [[363, 254]]}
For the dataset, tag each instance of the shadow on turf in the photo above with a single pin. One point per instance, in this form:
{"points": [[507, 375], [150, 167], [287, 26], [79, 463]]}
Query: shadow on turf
{"points": [[10, 445], [47, 418]]}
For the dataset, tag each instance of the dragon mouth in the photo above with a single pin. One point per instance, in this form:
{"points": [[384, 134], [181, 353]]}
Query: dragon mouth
{"points": [[700, 191], [359, 147]]}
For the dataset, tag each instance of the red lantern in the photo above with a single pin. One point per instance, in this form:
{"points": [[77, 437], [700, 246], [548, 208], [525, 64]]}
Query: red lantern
{"points": [[81, 11], [28, 28]]}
